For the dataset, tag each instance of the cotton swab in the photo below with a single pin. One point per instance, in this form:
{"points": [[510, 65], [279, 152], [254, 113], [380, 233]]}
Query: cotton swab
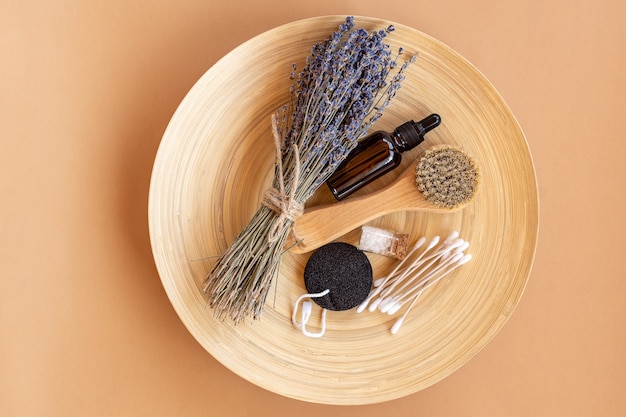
{"points": [[381, 289], [443, 264], [419, 261], [409, 280], [444, 256], [381, 282], [396, 326], [447, 246], [425, 282], [459, 260], [393, 275]]}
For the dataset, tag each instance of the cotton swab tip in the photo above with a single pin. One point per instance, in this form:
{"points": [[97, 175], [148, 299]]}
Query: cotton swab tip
{"points": [[394, 308], [456, 244], [464, 246], [433, 242], [374, 304], [453, 236], [420, 242], [465, 259], [386, 304], [396, 326], [362, 306]]}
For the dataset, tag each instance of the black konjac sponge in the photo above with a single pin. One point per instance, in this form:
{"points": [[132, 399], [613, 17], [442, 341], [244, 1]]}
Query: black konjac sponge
{"points": [[342, 269]]}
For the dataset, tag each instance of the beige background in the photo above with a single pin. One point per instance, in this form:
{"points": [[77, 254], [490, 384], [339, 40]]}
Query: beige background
{"points": [[86, 91]]}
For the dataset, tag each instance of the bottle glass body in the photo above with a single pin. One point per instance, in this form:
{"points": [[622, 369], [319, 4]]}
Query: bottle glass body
{"points": [[377, 154], [373, 157]]}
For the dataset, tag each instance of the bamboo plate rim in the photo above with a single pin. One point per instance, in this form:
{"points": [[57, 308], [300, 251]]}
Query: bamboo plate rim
{"points": [[215, 161]]}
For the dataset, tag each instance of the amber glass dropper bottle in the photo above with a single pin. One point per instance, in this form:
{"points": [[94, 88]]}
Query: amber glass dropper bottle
{"points": [[377, 154]]}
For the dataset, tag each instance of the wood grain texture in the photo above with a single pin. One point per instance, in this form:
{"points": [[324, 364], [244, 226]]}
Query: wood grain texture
{"points": [[216, 161], [326, 222]]}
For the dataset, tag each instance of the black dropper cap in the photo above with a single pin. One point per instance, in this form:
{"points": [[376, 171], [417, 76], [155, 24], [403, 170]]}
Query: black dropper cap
{"points": [[412, 134]]}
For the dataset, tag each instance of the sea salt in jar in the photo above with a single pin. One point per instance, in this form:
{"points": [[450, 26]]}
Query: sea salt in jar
{"points": [[383, 242]]}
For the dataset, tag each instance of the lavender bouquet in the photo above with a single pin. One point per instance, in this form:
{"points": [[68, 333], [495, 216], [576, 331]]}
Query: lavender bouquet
{"points": [[346, 83]]}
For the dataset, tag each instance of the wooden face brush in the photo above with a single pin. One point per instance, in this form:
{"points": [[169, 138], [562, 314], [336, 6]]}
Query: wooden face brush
{"points": [[445, 179]]}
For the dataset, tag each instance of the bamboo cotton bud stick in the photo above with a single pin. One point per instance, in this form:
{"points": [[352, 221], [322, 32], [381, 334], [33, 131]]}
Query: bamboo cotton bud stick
{"points": [[434, 276], [444, 262], [396, 326], [380, 283], [410, 279], [417, 265]]}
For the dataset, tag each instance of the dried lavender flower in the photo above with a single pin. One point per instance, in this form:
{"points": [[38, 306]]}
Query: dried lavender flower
{"points": [[347, 82]]}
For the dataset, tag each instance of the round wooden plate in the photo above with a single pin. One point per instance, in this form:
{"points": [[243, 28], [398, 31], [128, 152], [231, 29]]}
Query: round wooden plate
{"points": [[216, 161]]}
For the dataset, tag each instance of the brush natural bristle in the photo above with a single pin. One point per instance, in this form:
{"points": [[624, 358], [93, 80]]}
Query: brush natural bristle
{"points": [[447, 176]]}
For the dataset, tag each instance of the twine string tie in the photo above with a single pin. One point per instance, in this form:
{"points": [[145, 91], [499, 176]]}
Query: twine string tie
{"points": [[277, 199]]}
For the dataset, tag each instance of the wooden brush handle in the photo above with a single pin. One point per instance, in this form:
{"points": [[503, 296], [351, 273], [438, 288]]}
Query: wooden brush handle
{"points": [[323, 224]]}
